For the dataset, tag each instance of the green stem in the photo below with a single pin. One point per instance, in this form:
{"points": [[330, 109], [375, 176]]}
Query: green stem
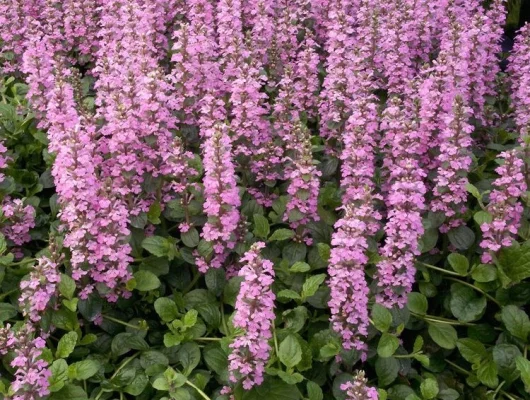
{"points": [[406, 355], [203, 395], [276, 347], [208, 339], [475, 288], [119, 321], [24, 261], [122, 365], [4, 295], [192, 283], [445, 271], [496, 392], [432, 318]]}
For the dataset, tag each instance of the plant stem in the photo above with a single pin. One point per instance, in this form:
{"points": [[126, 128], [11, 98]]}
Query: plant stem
{"points": [[4, 295], [119, 321], [475, 288], [496, 392], [208, 339], [276, 347], [432, 318], [445, 271], [203, 395], [122, 365]]}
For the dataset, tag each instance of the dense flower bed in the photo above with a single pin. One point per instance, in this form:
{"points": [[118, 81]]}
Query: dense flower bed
{"points": [[227, 199]]}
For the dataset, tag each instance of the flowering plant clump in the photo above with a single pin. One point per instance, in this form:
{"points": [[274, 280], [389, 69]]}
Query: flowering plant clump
{"points": [[242, 200]]}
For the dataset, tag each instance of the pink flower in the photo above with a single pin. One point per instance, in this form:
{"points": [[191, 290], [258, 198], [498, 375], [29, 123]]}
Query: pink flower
{"points": [[358, 389], [254, 315]]}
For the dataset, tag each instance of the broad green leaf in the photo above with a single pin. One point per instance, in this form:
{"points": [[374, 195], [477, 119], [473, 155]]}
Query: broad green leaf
{"points": [[459, 263], [443, 335], [166, 309], [190, 238], [472, 350], [514, 263], [487, 374], [523, 365], [387, 370], [66, 345], [67, 286], [83, 369], [381, 317], [281, 234], [156, 245], [261, 226], [516, 321], [417, 303], [429, 389], [146, 280], [484, 273], [59, 371], [314, 392], [290, 351], [466, 304], [312, 284], [462, 237], [387, 346]]}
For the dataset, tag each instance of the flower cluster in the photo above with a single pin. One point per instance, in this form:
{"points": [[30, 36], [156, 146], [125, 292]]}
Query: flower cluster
{"points": [[221, 197], [504, 205], [40, 288], [254, 316], [20, 219], [32, 373], [358, 389]]}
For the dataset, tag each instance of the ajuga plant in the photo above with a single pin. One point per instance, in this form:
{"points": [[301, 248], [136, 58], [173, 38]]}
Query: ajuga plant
{"points": [[252, 199]]}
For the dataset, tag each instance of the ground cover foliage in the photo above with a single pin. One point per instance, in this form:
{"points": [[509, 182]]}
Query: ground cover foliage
{"points": [[263, 199]]}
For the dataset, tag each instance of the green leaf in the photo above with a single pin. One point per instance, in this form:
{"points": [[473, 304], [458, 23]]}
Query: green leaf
{"points": [[381, 317], [448, 394], [482, 217], [261, 226], [288, 294], [314, 392], [69, 392], [59, 371], [138, 384], [465, 304], [282, 234], [443, 335], [487, 374], [417, 303], [388, 344], [83, 369], [272, 388], [190, 238], [429, 389], [7, 311], [67, 286], [153, 215], [166, 309], [516, 321], [484, 273], [459, 263], [189, 356], [190, 319], [216, 359], [124, 342], [472, 350], [473, 190], [312, 284], [514, 262], [504, 356], [146, 280], [387, 370], [324, 251], [156, 245], [215, 280], [523, 365], [462, 237], [174, 378], [418, 344], [66, 345], [290, 378], [290, 351], [300, 266]]}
